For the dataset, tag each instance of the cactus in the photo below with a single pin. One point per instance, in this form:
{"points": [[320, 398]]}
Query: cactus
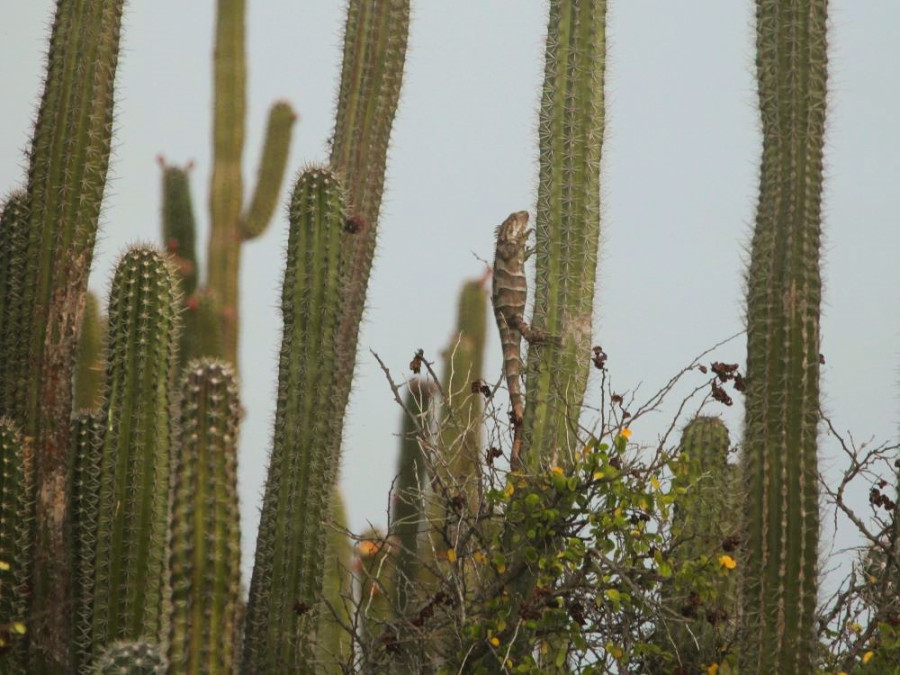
{"points": [[784, 291], [705, 519], [135, 463], [407, 506], [334, 645], [66, 179], [205, 556], [89, 357], [16, 520], [131, 658], [228, 227], [568, 224], [179, 227], [13, 350], [87, 442], [288, 568]]}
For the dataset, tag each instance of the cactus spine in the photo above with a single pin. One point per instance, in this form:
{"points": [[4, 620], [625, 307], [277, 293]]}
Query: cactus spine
{"points": [[205, 556], [66, 177], [134, 484], [227, 226], [567, 227], [783, 299], [289, 554], [131, 658]]}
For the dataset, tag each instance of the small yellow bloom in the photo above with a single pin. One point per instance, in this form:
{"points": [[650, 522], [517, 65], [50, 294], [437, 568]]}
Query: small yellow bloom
{"points": [[557, 470], [598, 475], [713, 669], [867, 657], [501, 568], [588, 449], [4, 565], [727, 562], [18, 627], [654, 481], [451, 555], [625, 433], [508, 492], [368, 547], [479, 557], [495, 641]]}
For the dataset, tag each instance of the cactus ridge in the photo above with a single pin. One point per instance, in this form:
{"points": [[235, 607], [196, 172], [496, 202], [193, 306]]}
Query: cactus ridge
{"points": [[783, 309], [13, 345], [334, 644], [204, 545], [89, 367], [143, 331], [309, 415], [567, 227]]}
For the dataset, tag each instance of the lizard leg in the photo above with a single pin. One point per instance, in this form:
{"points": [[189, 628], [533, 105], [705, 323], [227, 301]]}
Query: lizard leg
{"points": [[533, 336]]}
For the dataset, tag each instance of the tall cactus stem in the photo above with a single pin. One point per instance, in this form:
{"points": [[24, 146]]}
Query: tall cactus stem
{"points": [[179, 226], [289, 562], [783, 308], [204, 558], [13, 349], [335, 646], [142, 355], [567, 227], [68, 160], [227, 186]]}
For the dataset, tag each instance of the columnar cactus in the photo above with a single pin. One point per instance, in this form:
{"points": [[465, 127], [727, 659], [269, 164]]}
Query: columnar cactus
{"points": [[229, 227], [705, 520], [287, 573], [567, 227], [136, 449], [334, 645], [67, 167], [204, 532], [784, 292]]}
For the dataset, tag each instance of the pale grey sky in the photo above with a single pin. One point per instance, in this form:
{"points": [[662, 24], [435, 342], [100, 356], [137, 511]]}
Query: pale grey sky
{"points": [[679, 189]]}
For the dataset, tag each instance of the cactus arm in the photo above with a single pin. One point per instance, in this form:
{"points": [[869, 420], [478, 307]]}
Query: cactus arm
{"points": [[271, 171], [204, 559], [134, 492], [89, 357], [14, 233], [567, 226], [288, 567], [783, 308]]}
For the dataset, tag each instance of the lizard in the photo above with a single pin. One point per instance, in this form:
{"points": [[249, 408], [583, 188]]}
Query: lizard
{"points": [[508, 295]]}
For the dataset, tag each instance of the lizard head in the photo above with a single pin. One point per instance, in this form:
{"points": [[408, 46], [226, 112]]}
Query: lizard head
{"points": [[514, 230]]}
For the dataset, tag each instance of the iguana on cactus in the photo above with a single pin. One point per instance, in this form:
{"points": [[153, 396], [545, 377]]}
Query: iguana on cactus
{"points": [[508, 296]]}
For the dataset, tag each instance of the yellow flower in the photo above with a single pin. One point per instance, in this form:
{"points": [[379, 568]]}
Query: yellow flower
{"points": [[626, 432], [654, 481], [598, 475], [557, 470], [4, 565], [479, 557], [451, 555], [495, 641], [18, 627], [867, 657], [508, 492], [727, 562], [501, 568], [368, 547], [713, 669]]}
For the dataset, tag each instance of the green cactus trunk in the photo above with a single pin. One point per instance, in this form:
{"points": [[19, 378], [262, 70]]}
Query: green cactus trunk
{"points": [[204, 556], [89, 357], [66, 177], [13, 349], [288, 570], [179, 227], [16, 521], [136, 450], [227, 227], [783, 305], [567, 227], [334, 648]]}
